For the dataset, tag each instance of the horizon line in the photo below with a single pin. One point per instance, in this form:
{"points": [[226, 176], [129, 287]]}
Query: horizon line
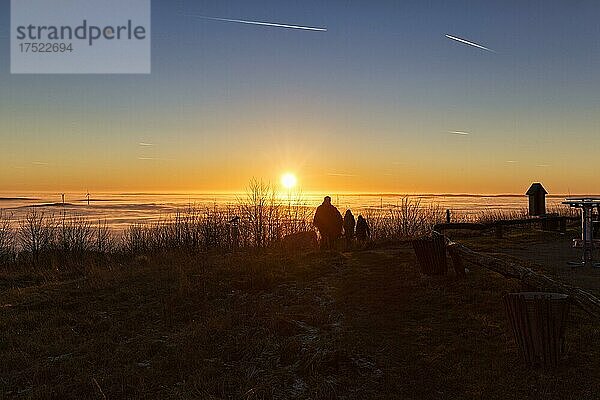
{"points": [[15, 193]]}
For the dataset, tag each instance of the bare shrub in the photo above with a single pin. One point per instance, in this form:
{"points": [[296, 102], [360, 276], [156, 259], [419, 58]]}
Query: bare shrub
{"points": [[75, 235], [7, 239], [260, 211], [190, 229], [103, 239], [215, 229], [37, 233], [406, 220], [135, 239]]}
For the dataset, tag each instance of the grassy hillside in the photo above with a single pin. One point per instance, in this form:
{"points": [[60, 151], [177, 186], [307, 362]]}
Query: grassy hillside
{"points": [[353, 325]]}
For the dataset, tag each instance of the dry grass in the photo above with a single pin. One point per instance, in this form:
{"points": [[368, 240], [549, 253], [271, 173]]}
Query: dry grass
{"points": [[355, 325], [490, 216], [407, 220]]}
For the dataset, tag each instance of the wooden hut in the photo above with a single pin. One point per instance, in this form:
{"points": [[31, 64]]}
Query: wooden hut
{"points": [[537, 199]]}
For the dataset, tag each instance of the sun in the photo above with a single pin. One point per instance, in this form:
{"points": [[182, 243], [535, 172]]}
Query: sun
{"points": [[288, 180]]}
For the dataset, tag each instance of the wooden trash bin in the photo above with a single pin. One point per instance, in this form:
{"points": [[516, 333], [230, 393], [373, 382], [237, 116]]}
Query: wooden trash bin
{"points": [[538, 323], [431, 255]]}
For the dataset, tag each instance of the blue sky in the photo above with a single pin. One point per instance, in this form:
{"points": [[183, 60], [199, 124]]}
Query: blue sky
{"points": [[366, 105]]}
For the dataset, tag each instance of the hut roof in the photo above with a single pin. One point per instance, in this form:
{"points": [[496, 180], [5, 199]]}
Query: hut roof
{"points": [[536, 188]]}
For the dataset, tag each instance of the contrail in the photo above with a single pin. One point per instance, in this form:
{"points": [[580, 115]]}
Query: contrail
{"points": [[241, 21], [469, 43], [459, 133], [146, 144], [341, 174], [154, 159]]}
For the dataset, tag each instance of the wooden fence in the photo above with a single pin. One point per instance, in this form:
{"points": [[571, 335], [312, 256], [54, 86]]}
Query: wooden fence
{"points": [[460, 253]]}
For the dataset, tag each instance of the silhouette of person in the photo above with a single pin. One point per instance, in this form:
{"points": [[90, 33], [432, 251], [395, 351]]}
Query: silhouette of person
{"points": [[235, 232], [328, 221], [362, 229], [349, 224]]}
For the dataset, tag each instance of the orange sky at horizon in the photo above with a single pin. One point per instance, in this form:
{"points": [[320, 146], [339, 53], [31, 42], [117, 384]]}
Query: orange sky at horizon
{"points": [[330, 155], [156, 178]]}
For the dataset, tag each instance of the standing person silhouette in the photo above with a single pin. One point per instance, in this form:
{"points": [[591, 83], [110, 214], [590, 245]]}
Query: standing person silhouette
{"points": [[349, 224], [328, 221], [362, 229]]}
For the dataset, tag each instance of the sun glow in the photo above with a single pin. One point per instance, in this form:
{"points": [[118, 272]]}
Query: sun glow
{"points": [[288, 180]]}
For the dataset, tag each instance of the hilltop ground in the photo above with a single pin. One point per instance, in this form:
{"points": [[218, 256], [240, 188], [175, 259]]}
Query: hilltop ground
{"points": [[357, 325]]}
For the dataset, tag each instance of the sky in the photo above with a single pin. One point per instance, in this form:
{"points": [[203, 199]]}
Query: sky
{"points": [[367, 106]]}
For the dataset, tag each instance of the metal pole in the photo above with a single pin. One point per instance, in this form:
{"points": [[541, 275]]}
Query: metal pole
{"points": [[586, 232]]}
